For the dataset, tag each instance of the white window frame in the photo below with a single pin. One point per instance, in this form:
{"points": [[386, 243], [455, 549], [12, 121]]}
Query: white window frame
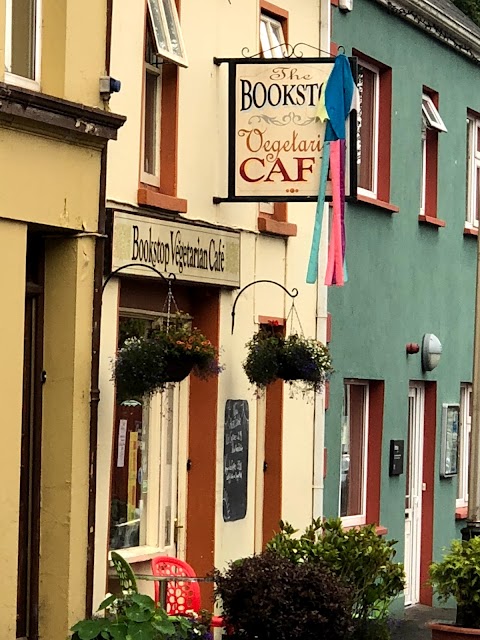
{"points": [[376, 124], [423, 186], [156, 9], [157, 449], [463, 457], [272, 39], [12, 78], [146, 177], [361, 518], [473, 165], [432, 117]]}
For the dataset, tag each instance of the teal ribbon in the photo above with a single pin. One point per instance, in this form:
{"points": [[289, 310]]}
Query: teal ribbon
{"points": [[317, 229]]}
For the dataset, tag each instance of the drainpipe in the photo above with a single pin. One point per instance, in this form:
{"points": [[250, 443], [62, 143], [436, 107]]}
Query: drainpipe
{"points": [[319, 406], [96, 318], [473, 519]]}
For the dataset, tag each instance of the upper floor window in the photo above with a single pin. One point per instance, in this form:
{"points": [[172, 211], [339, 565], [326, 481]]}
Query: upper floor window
{"points": [[22, 42], [374, 128], [164, 52], [368, 117], [272, 37], [166, 31], [473, 171], [432, 124]]}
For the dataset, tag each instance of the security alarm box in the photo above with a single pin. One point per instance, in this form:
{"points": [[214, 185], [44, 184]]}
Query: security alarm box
{"points": [[397, 448]]}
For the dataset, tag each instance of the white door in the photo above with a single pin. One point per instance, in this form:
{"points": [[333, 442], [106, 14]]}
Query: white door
{"points": [[413, 495]]}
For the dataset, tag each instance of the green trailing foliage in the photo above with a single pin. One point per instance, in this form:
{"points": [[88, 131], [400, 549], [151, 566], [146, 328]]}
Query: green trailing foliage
{"points": [[470, 8], [458, 576], [269, 597], [359, 557]]}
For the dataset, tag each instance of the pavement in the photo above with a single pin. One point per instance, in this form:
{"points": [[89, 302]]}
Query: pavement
{"points": [[414, 625]]}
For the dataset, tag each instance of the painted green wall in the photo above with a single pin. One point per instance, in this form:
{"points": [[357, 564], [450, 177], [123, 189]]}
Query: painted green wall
{"points": [[406, 279]]}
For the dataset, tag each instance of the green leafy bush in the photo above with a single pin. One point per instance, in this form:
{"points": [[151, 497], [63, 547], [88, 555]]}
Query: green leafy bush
{"points": [[458, 576], [295, 359], [358, 556], [268, 597], [135, 617]]}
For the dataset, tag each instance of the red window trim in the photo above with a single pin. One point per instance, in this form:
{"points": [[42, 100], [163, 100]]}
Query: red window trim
{"points": [[384, 124], [431, 171], [468, 231], [432, 220], [379, 204]]}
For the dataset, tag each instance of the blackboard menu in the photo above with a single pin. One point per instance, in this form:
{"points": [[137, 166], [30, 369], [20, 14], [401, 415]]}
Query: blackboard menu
{"points": [[235, 460]]}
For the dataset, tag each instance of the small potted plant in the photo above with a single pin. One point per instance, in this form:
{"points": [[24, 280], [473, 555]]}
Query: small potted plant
{"points": [[458, 576], [146, 364], [302, 361]]}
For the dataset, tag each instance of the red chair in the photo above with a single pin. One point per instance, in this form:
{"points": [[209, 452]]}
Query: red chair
{"points": [[181, 596]]}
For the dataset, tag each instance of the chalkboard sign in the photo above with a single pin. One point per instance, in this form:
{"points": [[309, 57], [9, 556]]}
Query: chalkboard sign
{"points": [[235, 460]]}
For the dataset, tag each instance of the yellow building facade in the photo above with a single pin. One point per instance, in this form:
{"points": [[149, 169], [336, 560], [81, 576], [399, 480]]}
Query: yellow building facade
{"points": [[54, 131], [161, 467]]}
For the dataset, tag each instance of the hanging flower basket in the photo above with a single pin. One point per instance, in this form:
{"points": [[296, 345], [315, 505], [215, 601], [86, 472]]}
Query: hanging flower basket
{"points": [[145, 365], [295, 359]]}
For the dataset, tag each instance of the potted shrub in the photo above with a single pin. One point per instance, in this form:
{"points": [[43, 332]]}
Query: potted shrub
{"points": [[458, 576], [268, 597], [303, 362], [359, 557], [146, 364]]}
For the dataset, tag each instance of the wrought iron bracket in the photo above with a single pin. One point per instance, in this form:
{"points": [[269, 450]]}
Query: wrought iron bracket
{"points": [[171, 276], [292, 295]]}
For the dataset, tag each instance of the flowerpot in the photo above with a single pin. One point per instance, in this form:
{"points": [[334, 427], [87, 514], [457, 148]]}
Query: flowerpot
{"points": [[442, 631], [177, 370]]}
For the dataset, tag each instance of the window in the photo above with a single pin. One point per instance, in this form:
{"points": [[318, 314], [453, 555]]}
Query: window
{"points": [[151, 116], [353, 464], [473, 171], [367, 153], [143, 476], [432, 124], [22, 42], [166, 31], [164, 53], [374, 129], [273, 29], [272, 38], [465, 429]]}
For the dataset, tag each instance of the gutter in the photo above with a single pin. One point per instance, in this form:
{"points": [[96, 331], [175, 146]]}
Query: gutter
{"points": [[426, 16]]}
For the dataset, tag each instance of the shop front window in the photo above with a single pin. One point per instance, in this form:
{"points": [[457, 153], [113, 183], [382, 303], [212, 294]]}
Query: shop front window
{"points": [[143, 476]]}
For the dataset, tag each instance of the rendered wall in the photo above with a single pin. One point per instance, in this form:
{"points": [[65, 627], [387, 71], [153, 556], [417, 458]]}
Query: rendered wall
{"points": [[406, 279]]}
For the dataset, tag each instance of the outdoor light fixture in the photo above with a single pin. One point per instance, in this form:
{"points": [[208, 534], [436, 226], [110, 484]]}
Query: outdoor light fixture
{"points": [[431, 351]]}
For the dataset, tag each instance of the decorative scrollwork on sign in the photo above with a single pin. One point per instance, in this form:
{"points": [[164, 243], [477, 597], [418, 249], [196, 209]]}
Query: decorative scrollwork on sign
{"points": [[289, 51], [290, 118]]}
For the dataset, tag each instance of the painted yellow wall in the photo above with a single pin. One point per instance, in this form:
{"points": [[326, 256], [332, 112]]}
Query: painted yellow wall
{"points": [[48, 181], [65, 443], [12, 285]]}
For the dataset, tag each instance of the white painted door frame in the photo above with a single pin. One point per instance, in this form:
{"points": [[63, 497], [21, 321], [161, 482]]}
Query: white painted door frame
{"points": [[414, 487]]}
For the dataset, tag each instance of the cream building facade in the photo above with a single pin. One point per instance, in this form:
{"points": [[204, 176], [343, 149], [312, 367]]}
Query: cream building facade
{"points": [[168, 165], [53, 138]]}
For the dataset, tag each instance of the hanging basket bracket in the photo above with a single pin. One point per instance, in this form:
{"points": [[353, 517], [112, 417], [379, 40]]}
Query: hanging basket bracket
{"points": [[293, 294]]}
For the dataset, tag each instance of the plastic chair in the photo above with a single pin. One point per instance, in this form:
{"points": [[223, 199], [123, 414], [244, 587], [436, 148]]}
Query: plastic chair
{"points": [[181, 596]]}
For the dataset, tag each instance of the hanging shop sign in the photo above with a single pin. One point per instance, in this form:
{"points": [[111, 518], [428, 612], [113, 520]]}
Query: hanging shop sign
{"points": [[276, 132], [192, 253]]}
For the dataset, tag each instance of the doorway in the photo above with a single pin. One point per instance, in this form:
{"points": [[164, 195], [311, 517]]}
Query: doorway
{"points": [[413, 493], [31, 438]]}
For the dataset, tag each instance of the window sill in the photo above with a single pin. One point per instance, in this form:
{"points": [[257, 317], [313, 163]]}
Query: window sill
{"points": [[461, 513], [137, 554], [432, 221], [470, 231], [149, 197], [276, 228], [379, 204]]}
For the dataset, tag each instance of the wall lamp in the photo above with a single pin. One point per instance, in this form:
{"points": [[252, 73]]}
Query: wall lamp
{"points": [[431, 351]]}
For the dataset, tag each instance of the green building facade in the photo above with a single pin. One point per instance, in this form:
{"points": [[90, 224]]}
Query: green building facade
{"points": [[411, 261]]}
